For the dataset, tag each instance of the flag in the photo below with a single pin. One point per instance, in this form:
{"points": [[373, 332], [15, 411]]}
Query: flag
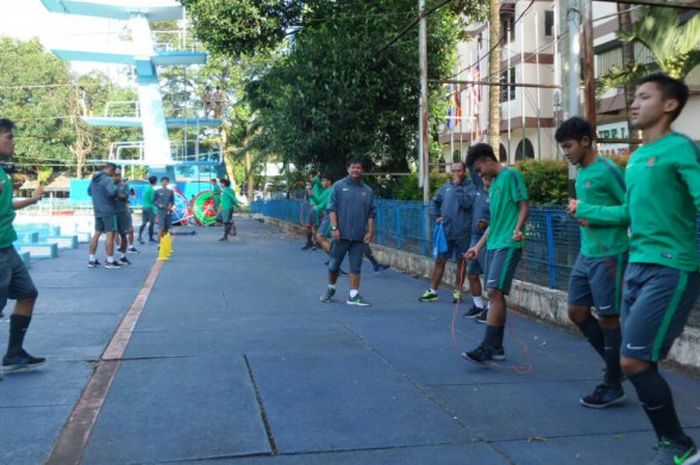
{"points": [[451, 110]]}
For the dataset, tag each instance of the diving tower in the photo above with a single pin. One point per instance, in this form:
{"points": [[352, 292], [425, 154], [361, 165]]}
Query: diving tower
{"points": [[144, 56]]}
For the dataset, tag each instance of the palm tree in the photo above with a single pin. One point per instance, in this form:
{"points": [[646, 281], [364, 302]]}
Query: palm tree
{"points": [[673, 46]]}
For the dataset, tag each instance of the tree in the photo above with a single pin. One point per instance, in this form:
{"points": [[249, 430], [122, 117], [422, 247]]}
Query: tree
{"points": [[35, 93], [673, 46], [332, 90], [494, 65]]}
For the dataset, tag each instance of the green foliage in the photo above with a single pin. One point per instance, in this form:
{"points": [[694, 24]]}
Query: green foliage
{"points": [[327, 93], [408, 186], [546, 180], [34, 91], [673, 45], [243, 27]]}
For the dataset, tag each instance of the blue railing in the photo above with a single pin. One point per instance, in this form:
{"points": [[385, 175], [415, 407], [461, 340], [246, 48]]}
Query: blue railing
{"points": [[552, 236]]}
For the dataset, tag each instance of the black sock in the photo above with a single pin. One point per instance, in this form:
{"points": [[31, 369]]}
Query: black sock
{"points": [[143, 226], [308, 237], [593, 332], [656, 398], [613, 372], [494, 336], [18, 328], [150, 231]]}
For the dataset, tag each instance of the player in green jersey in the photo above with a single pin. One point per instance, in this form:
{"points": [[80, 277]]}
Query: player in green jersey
{"points": [[596, 279], [662, 280]]}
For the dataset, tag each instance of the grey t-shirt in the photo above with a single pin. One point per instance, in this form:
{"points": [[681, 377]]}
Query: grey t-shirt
{"points": [[353, 203], [163, 199]]}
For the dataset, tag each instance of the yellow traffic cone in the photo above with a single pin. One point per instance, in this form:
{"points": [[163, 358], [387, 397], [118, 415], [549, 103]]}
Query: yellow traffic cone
{"points": [[170, 244], [163, 250]]}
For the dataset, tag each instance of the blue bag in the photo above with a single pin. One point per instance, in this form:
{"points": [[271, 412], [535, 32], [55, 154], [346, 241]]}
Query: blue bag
{"points": [[439, 241]]}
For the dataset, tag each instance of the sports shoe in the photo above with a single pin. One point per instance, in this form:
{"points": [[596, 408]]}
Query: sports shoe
{"points": [[94, 263], [357, 300], [481, 318], [21, 361], [473, 312], [485, 354], [428, 297], [456, 297], [671, 453], [141, 241], [603, 396], [113, 265], [151, 240], [380, 268], [124, 261], [328, 295], [132, 249], [223, 239], [307, 246]]}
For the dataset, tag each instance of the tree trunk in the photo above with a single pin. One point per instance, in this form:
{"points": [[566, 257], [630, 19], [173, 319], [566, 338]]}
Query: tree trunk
{"points": [[627, 59], [494, 75], [249, 174]]}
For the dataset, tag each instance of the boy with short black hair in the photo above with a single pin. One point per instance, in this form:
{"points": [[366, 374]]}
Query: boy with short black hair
{"points": [[504, 242], [662, 279], [164, 200], [148, 216], [228, 203], [596, 279], [15, 281]]}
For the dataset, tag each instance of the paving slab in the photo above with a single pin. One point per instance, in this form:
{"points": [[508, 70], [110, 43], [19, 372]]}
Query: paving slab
{"points": [[175, 409], [462, 454]]}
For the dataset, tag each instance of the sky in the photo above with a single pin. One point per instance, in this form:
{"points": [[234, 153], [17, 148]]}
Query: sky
{"points": [[24, 19]]}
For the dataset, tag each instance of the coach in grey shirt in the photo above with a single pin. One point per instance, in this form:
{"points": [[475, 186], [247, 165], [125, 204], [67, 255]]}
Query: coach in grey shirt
{"points": [[352, 213]]}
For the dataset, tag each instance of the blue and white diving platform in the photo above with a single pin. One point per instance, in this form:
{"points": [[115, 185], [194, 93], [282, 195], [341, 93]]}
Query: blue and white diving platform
{"points": [[161, 58], [137, 122], [155, 10]]}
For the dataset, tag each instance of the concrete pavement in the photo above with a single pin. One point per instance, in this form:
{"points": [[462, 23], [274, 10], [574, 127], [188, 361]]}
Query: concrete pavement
{"points": [[235, 361]]}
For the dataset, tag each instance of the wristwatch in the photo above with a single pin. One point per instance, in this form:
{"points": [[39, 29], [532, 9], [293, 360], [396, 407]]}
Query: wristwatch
{"points": [[334, 228]]}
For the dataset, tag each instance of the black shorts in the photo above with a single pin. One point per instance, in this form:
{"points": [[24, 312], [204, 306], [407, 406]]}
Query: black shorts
{"points": [[147, 216], [165, 219], [656, 303], [597, 282], [227, 215], [106, 224], [15, 282], [354, 249], [123, 222]]}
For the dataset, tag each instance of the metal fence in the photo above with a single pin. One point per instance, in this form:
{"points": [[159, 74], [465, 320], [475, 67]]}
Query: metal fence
{"points": [[552, 237]]}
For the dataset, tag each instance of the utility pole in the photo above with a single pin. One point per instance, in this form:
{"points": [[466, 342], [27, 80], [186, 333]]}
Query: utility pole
{"points": [[625, 23], [424, 138], [573, 21], [494, 66]]}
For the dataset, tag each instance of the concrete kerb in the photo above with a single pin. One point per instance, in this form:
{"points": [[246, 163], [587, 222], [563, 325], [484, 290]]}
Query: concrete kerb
{"points": [[549, 305]]}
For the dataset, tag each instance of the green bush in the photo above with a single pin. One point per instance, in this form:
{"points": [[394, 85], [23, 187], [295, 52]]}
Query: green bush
{"points": [[408, 186], [546, 180]]}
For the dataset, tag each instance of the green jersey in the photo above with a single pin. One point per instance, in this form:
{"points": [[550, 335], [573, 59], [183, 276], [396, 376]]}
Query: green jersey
{"points": [[228, 199], [661, 203], [7, 212], [602, 183], [217, 194], [147, 198], [316, 190], [321, 201], [505, 194]]}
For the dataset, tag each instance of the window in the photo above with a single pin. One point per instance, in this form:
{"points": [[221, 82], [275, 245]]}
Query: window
{"points": [[508, 92], [524, 150], [548, 23], [609, 59], [507, 27]]}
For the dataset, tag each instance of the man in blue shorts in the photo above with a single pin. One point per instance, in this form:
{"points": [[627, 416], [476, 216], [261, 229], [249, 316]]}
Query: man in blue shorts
{"points": [[164, 200], [452, 207], [104, 193], [352, 214], [662, 279], [596, 279], [504, 242]]}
